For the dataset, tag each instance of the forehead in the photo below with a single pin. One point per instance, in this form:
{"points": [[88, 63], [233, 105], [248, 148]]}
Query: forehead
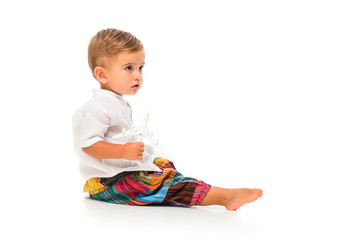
{"points": [[130, 57]]}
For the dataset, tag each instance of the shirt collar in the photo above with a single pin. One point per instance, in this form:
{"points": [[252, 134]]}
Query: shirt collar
{"points": [[108, 93]]}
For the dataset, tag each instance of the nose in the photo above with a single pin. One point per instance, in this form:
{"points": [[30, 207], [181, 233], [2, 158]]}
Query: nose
{"points": [[138, 76]]}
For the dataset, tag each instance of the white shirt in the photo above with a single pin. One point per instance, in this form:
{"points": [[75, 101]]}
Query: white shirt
{"points": [[100, 119]]}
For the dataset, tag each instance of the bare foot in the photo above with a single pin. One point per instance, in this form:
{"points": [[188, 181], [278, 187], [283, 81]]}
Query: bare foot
{"points": [[241, 196]]}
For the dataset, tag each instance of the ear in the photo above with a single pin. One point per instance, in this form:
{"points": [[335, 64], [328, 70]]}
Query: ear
{"points": [[100, 75]]}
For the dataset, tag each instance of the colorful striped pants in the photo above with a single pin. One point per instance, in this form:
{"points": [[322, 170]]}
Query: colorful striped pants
{"points": [[168, 187]]}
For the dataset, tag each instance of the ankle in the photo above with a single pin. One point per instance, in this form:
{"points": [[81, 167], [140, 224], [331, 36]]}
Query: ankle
{"points": [[228, 196]]}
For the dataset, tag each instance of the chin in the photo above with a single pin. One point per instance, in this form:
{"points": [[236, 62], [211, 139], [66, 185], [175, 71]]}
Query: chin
{"points": [[133, 92], [130, 93]]}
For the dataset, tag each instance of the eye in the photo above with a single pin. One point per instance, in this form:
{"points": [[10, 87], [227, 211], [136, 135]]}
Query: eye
{"points": [[129, 68], [141, 68]]}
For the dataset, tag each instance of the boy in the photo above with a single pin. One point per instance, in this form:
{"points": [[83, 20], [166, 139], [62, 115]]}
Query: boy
{"points": [[120, 170]]}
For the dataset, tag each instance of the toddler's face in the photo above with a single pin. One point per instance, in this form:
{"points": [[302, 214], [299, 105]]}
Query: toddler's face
{"points": [[124, 75]]}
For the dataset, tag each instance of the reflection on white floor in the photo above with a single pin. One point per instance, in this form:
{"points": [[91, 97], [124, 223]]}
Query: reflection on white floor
{"points": [[193, 221]]}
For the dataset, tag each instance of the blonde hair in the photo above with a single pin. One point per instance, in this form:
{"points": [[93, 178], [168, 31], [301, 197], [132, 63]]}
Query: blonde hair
{"points": [[107, 44]]}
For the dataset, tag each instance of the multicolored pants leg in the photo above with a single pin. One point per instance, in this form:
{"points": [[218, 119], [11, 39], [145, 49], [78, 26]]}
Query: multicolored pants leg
{"points": [[168, 187]]}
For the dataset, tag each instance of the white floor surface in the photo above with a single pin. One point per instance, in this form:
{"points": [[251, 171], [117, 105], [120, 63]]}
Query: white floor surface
{"points": [[282, 213]]}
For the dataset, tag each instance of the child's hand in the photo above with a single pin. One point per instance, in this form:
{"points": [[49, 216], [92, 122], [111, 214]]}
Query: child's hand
{"points": [[133, 150]]}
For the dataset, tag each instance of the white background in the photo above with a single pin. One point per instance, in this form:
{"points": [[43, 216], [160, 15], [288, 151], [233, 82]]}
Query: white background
{"points": [[241, 94]]}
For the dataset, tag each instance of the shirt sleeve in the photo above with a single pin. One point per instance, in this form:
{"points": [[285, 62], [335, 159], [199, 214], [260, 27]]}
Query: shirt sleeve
{"points": [[94, 126]]}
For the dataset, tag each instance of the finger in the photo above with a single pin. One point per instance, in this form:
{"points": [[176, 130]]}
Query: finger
{"points": [[141, 144]]}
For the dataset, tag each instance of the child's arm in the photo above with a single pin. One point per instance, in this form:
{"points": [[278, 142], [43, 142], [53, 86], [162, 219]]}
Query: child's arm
{"points": [[105, 150]]}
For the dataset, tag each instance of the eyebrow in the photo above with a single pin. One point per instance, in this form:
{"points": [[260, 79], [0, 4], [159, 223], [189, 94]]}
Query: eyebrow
{"points": [[131, 64]]}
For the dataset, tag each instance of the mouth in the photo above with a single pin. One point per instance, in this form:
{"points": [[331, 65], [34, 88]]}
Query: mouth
{"points": [[136, 86]]}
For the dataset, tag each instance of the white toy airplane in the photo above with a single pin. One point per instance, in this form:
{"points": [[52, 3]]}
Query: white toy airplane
{"points": [[140, 132]]}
